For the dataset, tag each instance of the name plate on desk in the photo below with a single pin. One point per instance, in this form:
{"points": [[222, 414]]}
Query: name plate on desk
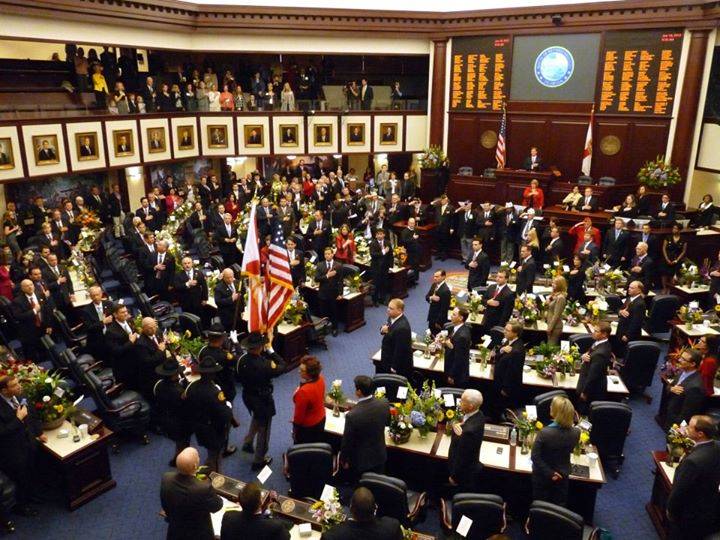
{"points": [[580, 471], [81, 416], [230, 488], [496, 433]]}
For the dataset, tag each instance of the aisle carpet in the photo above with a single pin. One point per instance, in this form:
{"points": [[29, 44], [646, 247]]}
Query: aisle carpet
{"points": [[131, 509]]}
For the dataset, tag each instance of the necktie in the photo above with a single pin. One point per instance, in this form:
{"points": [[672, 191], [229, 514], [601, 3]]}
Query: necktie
{"points": [[56, 271], [329, 265], [497, 292], [14, 402], [232, 288], [50, 237], [71, 215], [99, 309]]}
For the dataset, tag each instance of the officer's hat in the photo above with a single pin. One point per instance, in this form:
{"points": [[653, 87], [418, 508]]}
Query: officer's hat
{"points": [[168, 368], [208, 364], [254, 339], [216, 330]]}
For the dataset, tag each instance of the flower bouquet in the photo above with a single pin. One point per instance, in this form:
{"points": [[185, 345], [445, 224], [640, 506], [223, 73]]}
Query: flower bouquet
{"points": [[88, 219], [87, 239], [546, 366], [212, 280], [47, 396], [426, 410], [310, 271], [598, 308], [678, 443], [474, 305], [573, 313], [433, 158], [690, 314], [688, 274], [658, 173], [400, 428], [337, 396], [328, 513], [527, 309], [555, 269], [362, 248], [582, 441], [353, 283], [527, 429], [399, 256], [295, 310]]}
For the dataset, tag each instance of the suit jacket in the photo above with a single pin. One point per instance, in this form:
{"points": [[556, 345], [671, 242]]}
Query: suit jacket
{"points": [[438, 311], [498, 315], [366, 100], [526, 277], [239, 526], [148, 357], [159, 281], [594, 203], [151, 223], [17, 438], [615, 249], [188, 503], [528, 164], [631, 326], [298, 271], [378, 528], [363, 442], [646, 271], [380, 264], [221, 235], [59, 291], [593, 374], [329, 287], [477, 276], [122, 354], [693, 500], [508, 371], [669, 211], [224, 302], [94, 326], [412, 246], [464, 453], [26, 318], [190, 297], [467, 225], [554, 251], [457, 359], [692, 401], [553, 315], [318, 242], [396, 350], [550, 454]]}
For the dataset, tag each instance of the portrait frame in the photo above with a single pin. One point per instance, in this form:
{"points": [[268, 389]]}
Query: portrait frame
{"points": [[220, 128], [317, 131], [117, 134], [352, 140], [247, 135], [284, 142], [180, 133], [38, 145], [6, 146], [389, 138], [163, 139], [80, 151]]}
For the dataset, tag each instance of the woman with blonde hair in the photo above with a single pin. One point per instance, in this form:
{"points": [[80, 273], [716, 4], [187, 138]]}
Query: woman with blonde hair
{"points": [[551, 453], [287, 98], [555, 308], [533, 242]]}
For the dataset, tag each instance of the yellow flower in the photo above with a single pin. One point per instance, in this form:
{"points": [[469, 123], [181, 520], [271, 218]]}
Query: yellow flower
{"points": [[59, 408], [584, 437], [188, 333], [539, 424], [524, 414], [450, 414], [717, 307]]}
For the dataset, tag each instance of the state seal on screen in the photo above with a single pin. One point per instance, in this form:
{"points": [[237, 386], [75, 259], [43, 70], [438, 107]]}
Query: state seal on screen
{"points": [[554, 66]]}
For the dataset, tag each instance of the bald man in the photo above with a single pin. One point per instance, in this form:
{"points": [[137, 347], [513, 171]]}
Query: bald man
{"points": [[149, 353], [464, 454], [227, 293], [191, 288], [96, 316], [33, 312], [187, 501]]}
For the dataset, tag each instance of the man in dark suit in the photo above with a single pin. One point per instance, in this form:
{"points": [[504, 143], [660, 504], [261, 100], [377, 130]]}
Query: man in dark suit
{"points": [[457, 349], [147, 214], [363, 443], [499, 301], [693, 503], [464, 454], [410, 240], [96, 316], [87, 148], [366, 95], [123, 146], [330, 289], [486, 222], [58, 282], [191, 288], [149, 95], [630, 318], [149, 354], [554, 249], [33, 312], [592, 382], [46, 152], [396, 355], [641, 267], [526, 272], [589, 202], [467, 226], [297, 261], [161, 271], [364, 524], [509, 362], [665, 211], [120, 339], [226, 237], [533, 162], [381, 260], [39, 213], [507, 230], [47, 238], [265, 217], [588, 250], [251, 522], [226, 296], [648, 237], [445, 218], [478, 265], [319, 233], [439, 299], [615, 244], [687, 393], [286, 217], [20, 430], [187, 501]]}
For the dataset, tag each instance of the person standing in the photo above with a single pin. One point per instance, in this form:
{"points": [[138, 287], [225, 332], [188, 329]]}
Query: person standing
{"points": [[551, 453], [509, 361], [555, 309], [445, 217], [396, 354], [526, 272], [692, 506], [170, 406], [687, 392], [466, 439], [592, 382], [363, 443], [366, 95], [33, 312], [630, 317], [478, 265], [309, 399], [457, 349], [255, 370], [499, 301], [187, 501], [191, 288], [330, 288], [439, 299], [381, 259]]}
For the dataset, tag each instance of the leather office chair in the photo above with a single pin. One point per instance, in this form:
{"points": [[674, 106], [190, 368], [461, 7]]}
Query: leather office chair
{"points": [[542, 403], [606, 181], [456, 392], [662, 311], [583, 341], [585, 180], [638, 367], [497, 334], [191, 322], [393, 498], [486, 511], [7, 313], [615, 302], [160, 310], [71, 334], [547, 521], [308, 467], [391, 382], [610, 426], [79, 366], [7, 497]]}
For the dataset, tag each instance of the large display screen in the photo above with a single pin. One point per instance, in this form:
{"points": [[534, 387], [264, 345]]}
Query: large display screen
{"points": [[479, 73]]}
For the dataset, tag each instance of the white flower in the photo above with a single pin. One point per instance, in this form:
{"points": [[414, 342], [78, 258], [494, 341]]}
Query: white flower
{"points": [[46, 399], [582, 311], [428, 332], [402, 425], [48, 380], [556, 263], [337, 383], [546, 266]]}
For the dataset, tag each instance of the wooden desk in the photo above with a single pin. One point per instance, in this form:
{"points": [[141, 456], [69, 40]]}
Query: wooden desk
{"points": [[352, 306], [660, 492], [398, 282], [83, 466], [290, 343], [426, 232]]}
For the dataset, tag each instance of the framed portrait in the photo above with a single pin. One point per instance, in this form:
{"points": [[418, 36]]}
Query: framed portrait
{"points": [[254, 136], [7, 158], [388, 133], [86, 146], [46, 149], [288, 135], [186, 137], [217, 136], [356, 134], [123, 142], [156, 140], [322, 134]]}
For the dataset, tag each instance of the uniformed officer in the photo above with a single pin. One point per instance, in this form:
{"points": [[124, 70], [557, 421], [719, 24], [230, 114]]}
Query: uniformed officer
{"points": [[255, 370], [171, 405], [210, 412]]}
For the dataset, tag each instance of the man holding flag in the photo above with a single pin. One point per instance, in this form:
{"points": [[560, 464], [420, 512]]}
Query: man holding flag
{"points": [[257, 316]]}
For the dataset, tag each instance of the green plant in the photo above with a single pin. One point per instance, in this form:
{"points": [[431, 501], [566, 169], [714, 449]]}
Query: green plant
{"points": [[433, 158]]}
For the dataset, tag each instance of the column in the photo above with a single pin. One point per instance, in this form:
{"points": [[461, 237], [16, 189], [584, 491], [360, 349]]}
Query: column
{"points": [[437, 104]]}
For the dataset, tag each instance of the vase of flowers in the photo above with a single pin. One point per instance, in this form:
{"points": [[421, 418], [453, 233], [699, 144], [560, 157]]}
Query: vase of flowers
{"points": [[427, 339], [48, 397], [658, 174], [400, 428], [337, 396], [583, 440], [678, 443], [690, 314], [328, 513], [527, 429], [474, 305], [310, 270]]}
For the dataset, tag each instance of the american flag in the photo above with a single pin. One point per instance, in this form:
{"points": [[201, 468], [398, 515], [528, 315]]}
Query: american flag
{"points": [[257, 321], [500, 154], [278, 279]]}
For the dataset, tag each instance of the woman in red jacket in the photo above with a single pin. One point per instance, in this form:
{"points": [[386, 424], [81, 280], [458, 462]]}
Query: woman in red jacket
{"points": [[309, 398], [707, 346], [345, 244], [533, 196]]}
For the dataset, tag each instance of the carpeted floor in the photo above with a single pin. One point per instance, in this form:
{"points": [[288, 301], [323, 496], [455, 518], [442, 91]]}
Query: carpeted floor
{"points": [[131, 509]]}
